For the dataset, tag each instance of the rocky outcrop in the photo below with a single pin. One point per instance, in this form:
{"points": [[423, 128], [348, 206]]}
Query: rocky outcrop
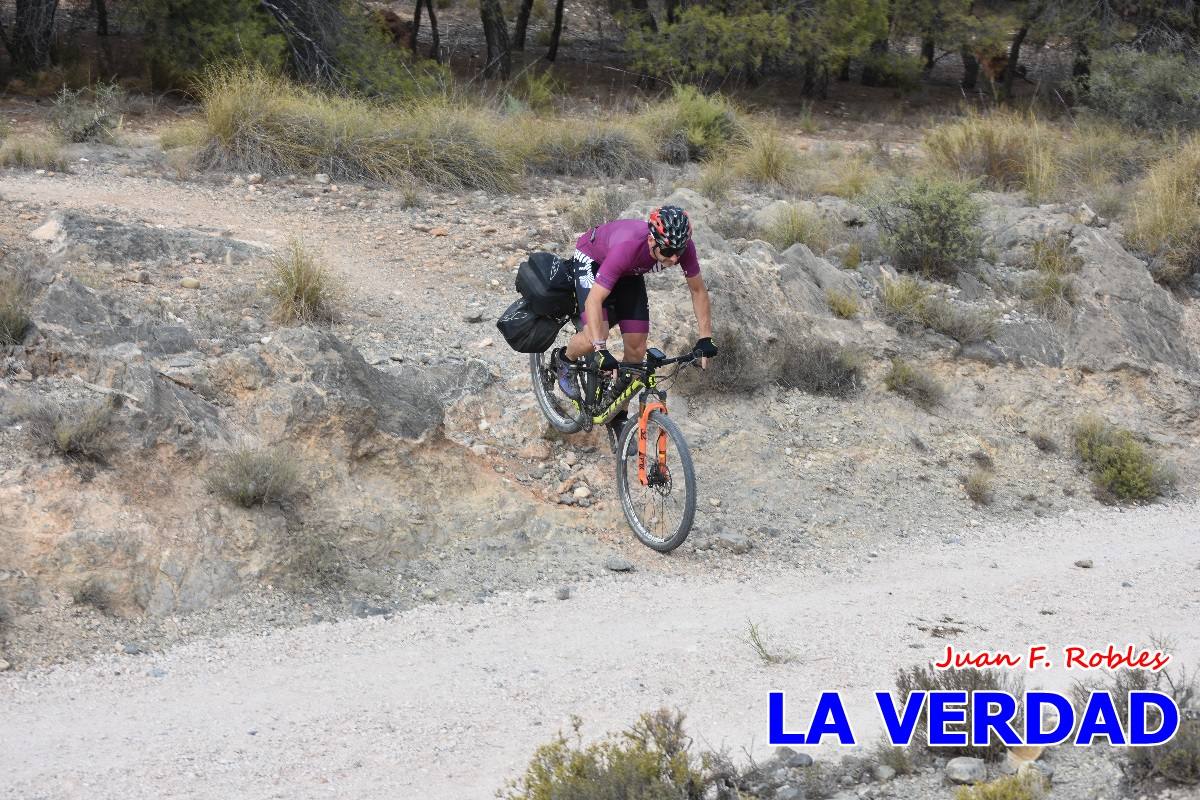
{"points": [[78, 236]]}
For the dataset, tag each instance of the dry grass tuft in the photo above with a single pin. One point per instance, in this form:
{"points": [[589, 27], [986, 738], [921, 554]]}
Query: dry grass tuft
{"points": [[842, 304], [29, 152], [250, 476], [302, 288], [918, 386], [81, 431]]}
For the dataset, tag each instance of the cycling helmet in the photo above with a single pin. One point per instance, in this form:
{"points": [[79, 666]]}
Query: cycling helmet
{"points": [[670, 228]]}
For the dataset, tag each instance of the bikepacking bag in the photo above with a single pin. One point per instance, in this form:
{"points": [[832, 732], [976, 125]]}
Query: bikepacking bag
{"points": [[527, 332], [547, 282]]}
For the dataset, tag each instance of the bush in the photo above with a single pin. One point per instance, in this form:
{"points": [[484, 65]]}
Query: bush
{"points": [[1029, 785], [88, 115], [853, 256], [1152, 91], [1052, 288], [894, 70], [301, 287], [820, 367], [978, 486], [596, 207], [705, 45], [1004, 150], [794, 225], [613, 151], [537, 89], [767, 160], [1097, 154], [653, 760], [968, 679], [251, 476], [1166, 215], [28, 152], [929, 226], [741, 365], [1043, 441], [79, 431], [1122, 470], [256, 122], [842, 304], [15, 294], [693, 126], [908, 304], [904, 302], [716, 179], [905, 379], [852, 177]]}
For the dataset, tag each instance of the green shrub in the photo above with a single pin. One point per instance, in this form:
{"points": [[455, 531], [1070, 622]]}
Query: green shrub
{"points": [[894, 70], [820, 367], [853, 256], [30, 152], [1004, 150], [1166, 215], [693, 126], [15, 296], [596, 207], [705, 45], [968, 679], [78, 431], [1122, 469], [251, 476], [1029, 785], [88, 115], [652, 760], [794, 225], [302, 288], [904, 302], [905, 379], [537, 89], [767, 160], [256, 122], [1152, 91], [767, 651], [842, 304], [929, 226]]}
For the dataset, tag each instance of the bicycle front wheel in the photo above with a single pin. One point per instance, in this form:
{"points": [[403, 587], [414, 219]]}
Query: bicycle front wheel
{"points": [[659, 502]]}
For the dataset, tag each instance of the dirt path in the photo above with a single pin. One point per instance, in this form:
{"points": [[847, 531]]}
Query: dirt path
{"points": [[446, 702]]}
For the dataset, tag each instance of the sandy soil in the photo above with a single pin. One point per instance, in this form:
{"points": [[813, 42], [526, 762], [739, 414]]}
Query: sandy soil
{"points": [[449, 701]]}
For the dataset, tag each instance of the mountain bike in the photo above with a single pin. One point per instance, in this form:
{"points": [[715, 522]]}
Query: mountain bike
{"points": [[655, 478]]}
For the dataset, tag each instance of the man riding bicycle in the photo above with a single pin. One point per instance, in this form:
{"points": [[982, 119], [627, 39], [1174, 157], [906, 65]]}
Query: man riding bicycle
{"points": [[610, 262]]}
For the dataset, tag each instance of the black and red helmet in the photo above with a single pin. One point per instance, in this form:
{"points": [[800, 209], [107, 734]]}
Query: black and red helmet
{"points": [[670, 228]]}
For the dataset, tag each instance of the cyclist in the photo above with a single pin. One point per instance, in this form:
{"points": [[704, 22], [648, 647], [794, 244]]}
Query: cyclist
{"points": [[610, 261]]}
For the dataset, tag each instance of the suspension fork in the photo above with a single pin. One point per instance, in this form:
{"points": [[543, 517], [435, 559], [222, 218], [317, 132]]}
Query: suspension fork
{"points": [[653, 405]]}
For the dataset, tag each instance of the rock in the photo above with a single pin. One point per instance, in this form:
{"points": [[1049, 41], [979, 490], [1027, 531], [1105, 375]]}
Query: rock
{"points": [[790, 758], [190, 283], [571, 458], [582, 492], [484, 343], [1086, 215], [237, 182], [48, 231], [1084, 563], [321, 178], [563, 592], [883, 773], [473, 317], [362, 609], [133, 649], [965, 769], [74, 235], [143, 276], [157, 672], [254, 178], [734, 542], [439, 231], [789, 792], [4, 665], [618, 564]]}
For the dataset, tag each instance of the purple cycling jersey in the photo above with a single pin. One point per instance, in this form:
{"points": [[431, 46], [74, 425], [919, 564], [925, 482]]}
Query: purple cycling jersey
{"points": [[620, 248]]}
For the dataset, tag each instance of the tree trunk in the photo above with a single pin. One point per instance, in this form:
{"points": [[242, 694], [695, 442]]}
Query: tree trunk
{"points": [[844, 70], [871, 74], [641, 10], [1081, 68], [32, 33], [495, 33], [522, 25], [101, 7], [416, 25], [927, 46], [435, 39], [556, 32], [1014, 56], [970, 69], [672, 5]]}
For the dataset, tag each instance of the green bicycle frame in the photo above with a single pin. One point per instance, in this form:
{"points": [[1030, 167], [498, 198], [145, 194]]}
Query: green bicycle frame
{"points": [[634, 387]]}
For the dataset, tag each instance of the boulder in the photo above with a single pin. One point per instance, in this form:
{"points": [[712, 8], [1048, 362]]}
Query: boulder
{"points": [[73, 235]]}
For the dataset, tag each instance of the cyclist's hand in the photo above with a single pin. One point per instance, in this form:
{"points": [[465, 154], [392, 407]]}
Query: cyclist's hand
{"points": [[706, 350], [605, 361]]}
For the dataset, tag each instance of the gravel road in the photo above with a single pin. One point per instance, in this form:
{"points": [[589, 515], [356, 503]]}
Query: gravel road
{"points": [[449, 701]]}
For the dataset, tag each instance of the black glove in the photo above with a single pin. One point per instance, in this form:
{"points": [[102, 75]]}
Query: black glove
{"points": [[705, 348], [605, 361]]}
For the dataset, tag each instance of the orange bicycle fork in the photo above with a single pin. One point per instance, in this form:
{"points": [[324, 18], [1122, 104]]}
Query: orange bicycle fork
{"points": [[654, 405]]}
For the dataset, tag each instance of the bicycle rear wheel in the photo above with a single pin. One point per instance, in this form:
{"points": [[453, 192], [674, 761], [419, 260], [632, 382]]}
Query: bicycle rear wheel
{"points": [[563, 413], [661, 510]]}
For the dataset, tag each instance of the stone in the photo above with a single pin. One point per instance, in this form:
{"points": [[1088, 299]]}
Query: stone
{"points": [[618, 564], [1084, 563], [789, 792], [965, 769], [143, 276], [254, 178], [321, 178], [133, 649], [473, 317], [190, 283], [736, 543], [790, 758], [582, 492], [571, 458], [883, 773], [439, 231], [4, 665], [563, 592], [75, 235]]}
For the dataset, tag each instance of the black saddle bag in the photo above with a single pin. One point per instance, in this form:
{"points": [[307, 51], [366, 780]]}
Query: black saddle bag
{"points": [[527, 332], [548, 283]]}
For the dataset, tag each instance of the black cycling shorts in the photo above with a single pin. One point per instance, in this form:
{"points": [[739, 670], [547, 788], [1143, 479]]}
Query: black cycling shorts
{"points": [[626, 305]]}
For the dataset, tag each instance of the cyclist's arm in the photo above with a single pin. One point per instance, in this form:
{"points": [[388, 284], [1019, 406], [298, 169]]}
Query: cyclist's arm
{"points": [[597, 328], [703, 308]]}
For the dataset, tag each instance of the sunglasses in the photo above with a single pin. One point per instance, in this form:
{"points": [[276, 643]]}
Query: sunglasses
{"points": [[667, 252]]}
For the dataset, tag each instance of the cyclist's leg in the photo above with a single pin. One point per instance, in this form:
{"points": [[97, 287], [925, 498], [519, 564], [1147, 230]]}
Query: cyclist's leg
{"points": [[632, 311]]}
